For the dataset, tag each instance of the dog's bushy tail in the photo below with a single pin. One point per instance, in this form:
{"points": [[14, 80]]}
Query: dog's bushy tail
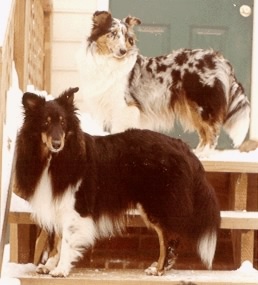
{"points": [[237, 120], [206, 247], [206, 220]]}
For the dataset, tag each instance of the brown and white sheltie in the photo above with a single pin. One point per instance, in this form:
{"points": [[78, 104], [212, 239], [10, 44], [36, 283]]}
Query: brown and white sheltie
{"points": [[123, 89], [81, 186]]}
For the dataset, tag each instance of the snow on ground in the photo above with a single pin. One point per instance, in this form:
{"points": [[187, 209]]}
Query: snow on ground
{"points": [[9, 281], [247, 268], [244, 275], [10, 271], [233, 155]]}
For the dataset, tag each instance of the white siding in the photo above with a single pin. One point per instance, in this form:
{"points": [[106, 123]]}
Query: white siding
{"points": [[254, 86], [71, 23]]}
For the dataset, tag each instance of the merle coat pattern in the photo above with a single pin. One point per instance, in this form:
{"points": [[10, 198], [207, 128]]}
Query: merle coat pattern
{"points": [[124, 89]]}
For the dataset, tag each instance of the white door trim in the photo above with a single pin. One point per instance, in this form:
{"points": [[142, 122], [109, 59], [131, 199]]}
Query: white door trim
{"points": [[254, 82]]}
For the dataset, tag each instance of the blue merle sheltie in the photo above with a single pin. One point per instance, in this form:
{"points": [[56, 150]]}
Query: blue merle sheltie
{"points": [[81, 187], [124, 89]]}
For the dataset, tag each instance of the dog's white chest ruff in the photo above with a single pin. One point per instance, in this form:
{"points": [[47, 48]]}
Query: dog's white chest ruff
{"points": [[42, 203], [104, 81], [51, 213]]}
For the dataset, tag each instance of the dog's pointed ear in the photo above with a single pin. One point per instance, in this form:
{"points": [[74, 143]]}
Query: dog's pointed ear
{"points": [[102, 19], [68, 96], [31, 101], [132, 21]]}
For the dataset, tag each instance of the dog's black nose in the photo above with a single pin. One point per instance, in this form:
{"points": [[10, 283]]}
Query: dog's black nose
{"points": [[56, 144], [122, 51]]}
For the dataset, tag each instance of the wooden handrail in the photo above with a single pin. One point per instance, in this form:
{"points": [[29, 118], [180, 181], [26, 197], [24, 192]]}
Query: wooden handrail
{"points": [[240, 220], [230, 166]]}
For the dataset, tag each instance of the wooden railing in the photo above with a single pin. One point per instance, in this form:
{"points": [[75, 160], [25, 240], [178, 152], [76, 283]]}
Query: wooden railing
{"points": [[24, 44], [32, 43]]}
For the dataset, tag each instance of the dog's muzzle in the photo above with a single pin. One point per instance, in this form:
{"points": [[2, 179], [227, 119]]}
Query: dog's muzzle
{"points": [[122, 53], [53, 144], [56, 145]]}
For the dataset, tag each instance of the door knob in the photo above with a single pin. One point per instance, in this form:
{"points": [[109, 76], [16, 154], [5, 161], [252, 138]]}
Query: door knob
{"points": [[245, 10]]}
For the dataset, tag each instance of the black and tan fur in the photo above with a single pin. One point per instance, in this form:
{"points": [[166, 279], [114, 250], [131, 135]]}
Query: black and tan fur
{"points": [[81, 187]]}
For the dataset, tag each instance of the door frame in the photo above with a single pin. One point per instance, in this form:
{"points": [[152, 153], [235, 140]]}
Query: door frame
{"points": [[104, 5], [254, 83]]}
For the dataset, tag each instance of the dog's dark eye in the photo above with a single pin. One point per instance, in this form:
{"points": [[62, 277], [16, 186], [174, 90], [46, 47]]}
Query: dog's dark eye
{"points": [[62, 121], [114, 33], [131, 41]]}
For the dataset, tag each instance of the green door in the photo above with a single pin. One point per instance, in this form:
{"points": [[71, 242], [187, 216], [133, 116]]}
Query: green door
{"points": [[224, 25]]}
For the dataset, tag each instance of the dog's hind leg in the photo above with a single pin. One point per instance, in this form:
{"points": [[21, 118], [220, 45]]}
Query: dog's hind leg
{"points": [[158, 268], [171, 254], [165, 260], [208, 138], [167, 257]]}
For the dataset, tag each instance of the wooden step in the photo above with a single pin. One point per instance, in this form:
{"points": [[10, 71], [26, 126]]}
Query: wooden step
{"points": [[138, 277], [238, 220], [242, 222], [235, 220]]}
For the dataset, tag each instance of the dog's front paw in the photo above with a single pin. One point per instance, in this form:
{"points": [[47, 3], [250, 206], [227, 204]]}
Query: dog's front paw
{"points": [[59, 272], [42, 269]]}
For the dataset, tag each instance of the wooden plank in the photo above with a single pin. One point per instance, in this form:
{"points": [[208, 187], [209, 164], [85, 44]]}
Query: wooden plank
{"points": [[14, 244], [238, 191], [20, 218], [238, 200], [40, 246], [26, 242], [135, 277], [47, 6], [247, 247], [230, 166], [244, 220], [20, 38], [239, 220], [22, 242]]}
